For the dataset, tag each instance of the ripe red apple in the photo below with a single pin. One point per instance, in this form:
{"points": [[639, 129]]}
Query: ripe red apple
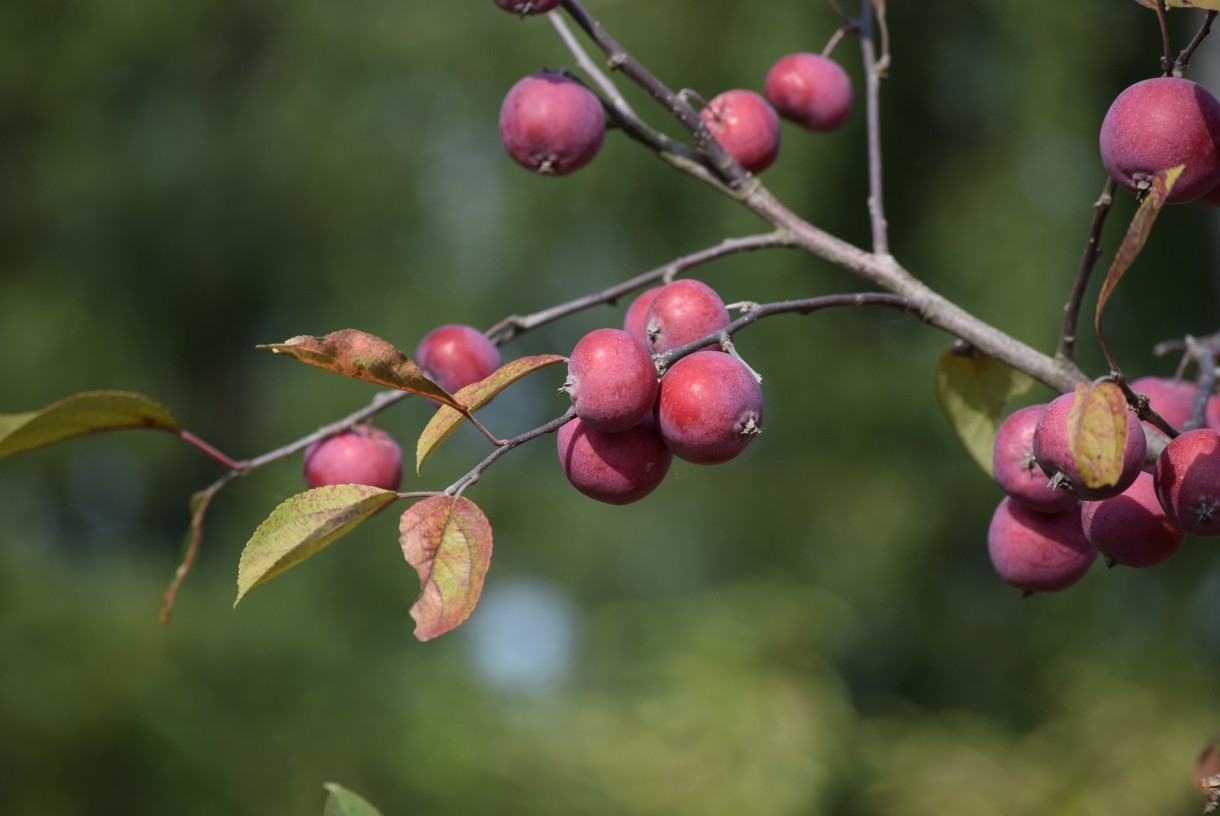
{"points": [[683, 311], [1187, 479], [455, 355], [1015, 469], [746, 126], [1055, 456], [1131, 529], [710, 407], [616, 468], [363, 455], [1172, 399], [611, 380], [551, 124], [1160, 123], [1038, 552], [811, 90]]}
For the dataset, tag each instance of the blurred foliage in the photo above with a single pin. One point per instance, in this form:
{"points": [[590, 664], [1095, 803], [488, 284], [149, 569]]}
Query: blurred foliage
{"points": [[813, 628]]}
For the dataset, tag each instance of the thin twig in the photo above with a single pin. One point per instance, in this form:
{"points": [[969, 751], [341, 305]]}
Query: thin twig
{"points": [[1167, 55], [514, 325], [872, 85], [1183, 61], [457, 488], [1092, 251]]}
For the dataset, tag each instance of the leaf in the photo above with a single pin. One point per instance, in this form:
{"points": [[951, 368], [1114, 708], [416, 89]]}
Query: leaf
{"points": [[362, 356], [302, 526], [448, 541], [1137, 233], [476, 395], [973, 390], [1097, 432], [1209, 5], [81, 414], [342, 802]]}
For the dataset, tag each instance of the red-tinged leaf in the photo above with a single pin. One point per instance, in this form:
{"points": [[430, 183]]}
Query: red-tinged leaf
{"points": [[302, 526], [476, 395], [342, 802], [1137, 233], [1207, 767], [448, 541], [1208, 5], [1097, 432], [86, 413], [362, 356], [973, 390]]}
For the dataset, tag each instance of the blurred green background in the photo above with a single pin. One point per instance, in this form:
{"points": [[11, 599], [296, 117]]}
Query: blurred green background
{"points": [[812, 629]]}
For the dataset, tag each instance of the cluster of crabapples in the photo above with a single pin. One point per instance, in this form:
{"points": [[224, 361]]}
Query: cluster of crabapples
{"points": [[628, 423], [1050, 526], [551, 124]]}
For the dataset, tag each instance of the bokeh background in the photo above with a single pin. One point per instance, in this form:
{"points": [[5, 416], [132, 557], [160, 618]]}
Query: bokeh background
{"points": [[811, 629]]}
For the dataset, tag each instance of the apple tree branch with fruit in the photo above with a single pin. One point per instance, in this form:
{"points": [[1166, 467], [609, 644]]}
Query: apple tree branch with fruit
{"points": [[1122, 468]]}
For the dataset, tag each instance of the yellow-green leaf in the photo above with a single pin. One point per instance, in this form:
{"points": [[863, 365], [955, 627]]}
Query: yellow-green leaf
{"points": [[342, 802], [1097, 432], [973, 390], [302, 526], [448, 541], [80, 414], [362, 356], [476, 395]]}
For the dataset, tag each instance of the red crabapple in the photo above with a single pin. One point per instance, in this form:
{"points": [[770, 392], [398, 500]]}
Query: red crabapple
{"points": [[455, 356], [746, 126], [551, 124], [1038, 552], [710, 407], [1160, 123], [635, 321], [683, 311], [1172, 399], [811, 90], [527, 6], [361, 455], [1131, 529], [1187, 479], [1057, 461], [611, 380], [616, 468], [1014, 467]]}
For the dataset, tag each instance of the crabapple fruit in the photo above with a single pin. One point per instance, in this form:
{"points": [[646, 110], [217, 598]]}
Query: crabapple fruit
{"points": [[746, 126], [683, 311], [611, 380], [527, 6], [362, 455], [1054, 454], [551, 124], [1161, 123], [1014, 467], [1131, 529], [811, 90], [1038, 552], [710, 407], [635, 321], [616, 468], [1173, 400], [1187, 479], [455, 355]]}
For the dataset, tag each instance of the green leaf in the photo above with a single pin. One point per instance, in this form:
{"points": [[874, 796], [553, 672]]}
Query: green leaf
{"points": [[1209, 5], [1097, 432], [973, 390], [81, 414], [302, 526], [448, 541], [446, 420], [342, 802], [362, 356]]}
